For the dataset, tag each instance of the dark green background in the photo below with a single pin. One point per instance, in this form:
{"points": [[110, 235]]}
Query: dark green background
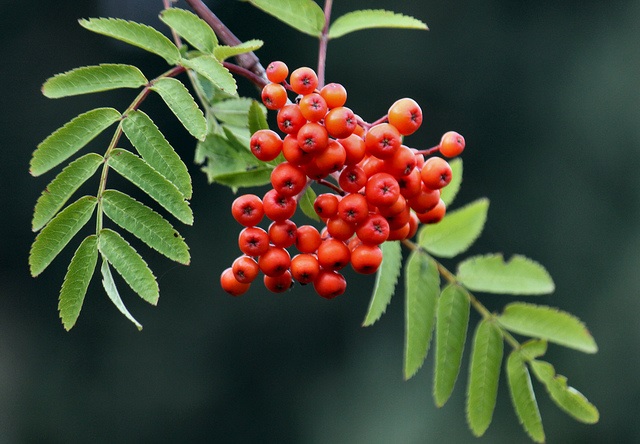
{"points": [[546, 94]]}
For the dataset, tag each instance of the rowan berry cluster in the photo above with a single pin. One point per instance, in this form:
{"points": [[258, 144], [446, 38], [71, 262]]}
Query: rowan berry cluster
{"points": [[382, 189]]}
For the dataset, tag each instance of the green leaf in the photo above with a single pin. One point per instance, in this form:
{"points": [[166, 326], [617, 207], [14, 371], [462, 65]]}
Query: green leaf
{"points": [[76, 281], [236, 111], [533, 348], [68, 140], [306, 204], [191, 28], [156, 151], [484, 374], [58, 232], [456, 232], [60, 189], [386, 280], [223, 52], [452, 318], [523, 397], [135, 34], [91, 79], [142, 175], [112, 291], [211, 69], [183, 105], [372, 18], [257, 117], [129, 264], [231, 165], [567, 398], [491, 274], [548, 323], [304, 15], [449, 193], [422, 286], [146, 225]]}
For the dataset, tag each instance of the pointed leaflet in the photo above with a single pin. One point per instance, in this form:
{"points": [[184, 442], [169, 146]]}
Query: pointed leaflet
{"points": [[77, 280], [146, 225], [304, 15], [60, 189], [484, 374], [449, 193], [139, 172], [129, 264], [549, 323], [223, 52], [456, 232], [90, 79], [58, 232], [452, 318], [68, 140], [211, 69], [306, 204], [523, 397], [232, 165], [372, 18], [257, 117], [386, 280], [567, 398], [156, 151], [191, 28], [112, 291], [182, 104], [135, 34], [422, 286], [491, 274]]}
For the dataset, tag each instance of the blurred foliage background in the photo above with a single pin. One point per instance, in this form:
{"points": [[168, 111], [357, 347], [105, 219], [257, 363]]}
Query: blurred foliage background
{"points": [[546, 94]]}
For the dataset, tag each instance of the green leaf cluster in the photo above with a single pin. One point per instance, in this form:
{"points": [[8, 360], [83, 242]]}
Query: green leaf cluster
{"points": [[438, 304]]}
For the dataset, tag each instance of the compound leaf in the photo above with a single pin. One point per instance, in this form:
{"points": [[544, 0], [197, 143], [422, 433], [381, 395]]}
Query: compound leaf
{"points": [[484, 374], [567, 398], [548, 323], [156, 150], [90, 79], [306, 204], [211, 69], [491, 274], [183, 105], [135, 34], [304, 15], [60, 189], [76, 281], [112, 291], [235, 111], [523, 397], [69, 139], [452, 319], [145, 224], [223, 52], [129, 264], [257, 117], [422, 286], [191, 28], [449, 193], [533, 348], [372, 18], [386, 280], [456, 232], [142, 175], [58, 232]]}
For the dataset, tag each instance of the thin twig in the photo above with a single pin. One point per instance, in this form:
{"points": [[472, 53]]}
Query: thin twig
{"points": [[324, 40]]}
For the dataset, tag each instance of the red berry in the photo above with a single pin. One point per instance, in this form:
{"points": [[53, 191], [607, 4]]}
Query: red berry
{"points": [[253, 241], [329, 284], [326, 205], [436, 173], [333, 254], [283, 234], [383, 140], [274, 96], [313, 107], [290, 119], [229, 283], [275, 261], [312, 138], [366, 259], [374, 230], [278, 207], [247, 210], [352, 179], [287, 179], [340, 122], [353, 208], [307, 239], [245, 269], [277, 72], [382, 189], [265, 144], [278, 284], [451, 144], [303, 80], [305, 268]]}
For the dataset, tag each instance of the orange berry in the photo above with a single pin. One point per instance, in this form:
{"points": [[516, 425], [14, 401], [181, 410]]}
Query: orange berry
{"points": [[329, 284], [229, 283], [451, 144], [406, 115], [303, 80], [436, 173], [245, 269], [265, 144], [340, 122], [275, 261], [305, 268], [277, 72], [278, 284], [333, 254], [334, 94], [274, 96], [366, 259]]}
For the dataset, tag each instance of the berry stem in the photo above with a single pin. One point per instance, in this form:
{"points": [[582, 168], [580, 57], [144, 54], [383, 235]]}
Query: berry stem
{"points": [[324, 39], [428, 152], [328, 184]]}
